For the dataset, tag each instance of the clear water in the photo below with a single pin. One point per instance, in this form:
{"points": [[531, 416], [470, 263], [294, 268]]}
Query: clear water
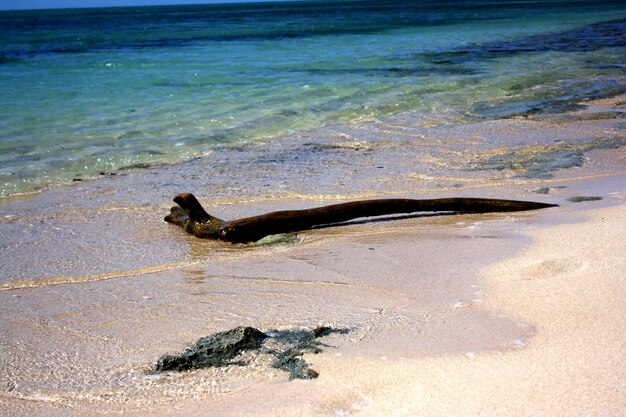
{"points": [[91, 90]]}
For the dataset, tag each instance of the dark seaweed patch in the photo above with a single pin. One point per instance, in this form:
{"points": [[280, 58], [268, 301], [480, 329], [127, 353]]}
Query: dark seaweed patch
{"points": [[397, 72], [223, 348], [6, 59], [582, 198], [541, 161], [581, 39], [217, 349], [542, 190], [139, 165], [563, 102], [527, 108]]}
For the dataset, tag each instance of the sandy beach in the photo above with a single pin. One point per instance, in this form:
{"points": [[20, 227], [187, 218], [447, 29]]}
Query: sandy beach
{"points": [[569, 286], [492, 314]]}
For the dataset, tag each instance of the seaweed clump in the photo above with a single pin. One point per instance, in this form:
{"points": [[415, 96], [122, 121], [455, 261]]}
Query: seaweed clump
{"points": [[223, 348], [294, 344], [217, 349]]}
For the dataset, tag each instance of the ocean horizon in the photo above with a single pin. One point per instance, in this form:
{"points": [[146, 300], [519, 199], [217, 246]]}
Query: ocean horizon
{"points": [[92, 91]]}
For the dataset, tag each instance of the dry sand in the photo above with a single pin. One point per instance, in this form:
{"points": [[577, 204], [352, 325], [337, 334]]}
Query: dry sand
{"points": [[571, 286]]}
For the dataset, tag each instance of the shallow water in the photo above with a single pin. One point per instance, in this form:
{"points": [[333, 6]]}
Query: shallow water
{"points": [[90, 91], [112, 226]]}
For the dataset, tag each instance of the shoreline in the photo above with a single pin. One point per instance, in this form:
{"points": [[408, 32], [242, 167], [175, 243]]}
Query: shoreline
{"points": [[598, 115], [488, 332], [442, 323]]}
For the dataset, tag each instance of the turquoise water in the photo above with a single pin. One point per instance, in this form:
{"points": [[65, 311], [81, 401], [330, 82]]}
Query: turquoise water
{"points": [[97, 90]]}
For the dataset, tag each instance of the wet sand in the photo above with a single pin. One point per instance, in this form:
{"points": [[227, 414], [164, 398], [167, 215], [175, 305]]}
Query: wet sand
{"points": [[495, 314]]}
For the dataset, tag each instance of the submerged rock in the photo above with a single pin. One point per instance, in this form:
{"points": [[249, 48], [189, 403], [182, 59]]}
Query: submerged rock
{"points": [[220, 349]]}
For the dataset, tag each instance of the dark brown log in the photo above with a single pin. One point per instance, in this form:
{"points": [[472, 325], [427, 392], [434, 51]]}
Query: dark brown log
{"points": [[195, 220]]}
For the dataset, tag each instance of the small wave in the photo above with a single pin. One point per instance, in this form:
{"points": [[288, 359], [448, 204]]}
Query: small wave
{"points": [[73, 279]]}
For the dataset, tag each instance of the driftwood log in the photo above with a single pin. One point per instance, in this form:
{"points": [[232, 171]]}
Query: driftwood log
{"points": [[191, 216]]}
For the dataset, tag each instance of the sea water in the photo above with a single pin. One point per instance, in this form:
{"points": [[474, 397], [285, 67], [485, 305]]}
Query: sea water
{"points": [[85, 91]]}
